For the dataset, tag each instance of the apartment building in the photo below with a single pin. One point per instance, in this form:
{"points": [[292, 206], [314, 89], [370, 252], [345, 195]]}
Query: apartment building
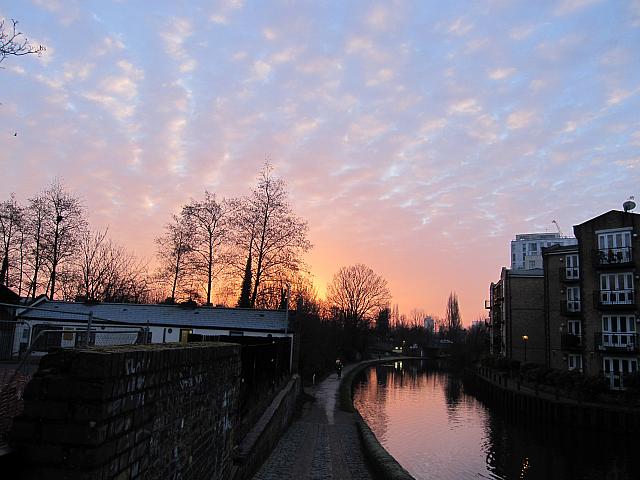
{"points": [[516, 320], [563, 309], [609, 268], [590, 308], [526, 249]]}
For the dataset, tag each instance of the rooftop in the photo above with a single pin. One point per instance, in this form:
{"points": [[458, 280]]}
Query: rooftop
{"points": [[158, 314]]}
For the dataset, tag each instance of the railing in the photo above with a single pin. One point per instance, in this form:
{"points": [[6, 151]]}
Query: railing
{"points": [[619, 342], [570, 307], [569, 274], [616, 379], [569, 341], [614, 298], [613, 256]]}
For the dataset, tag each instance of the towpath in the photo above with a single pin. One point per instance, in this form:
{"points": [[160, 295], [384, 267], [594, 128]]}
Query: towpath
{"points": [[323, 444]]}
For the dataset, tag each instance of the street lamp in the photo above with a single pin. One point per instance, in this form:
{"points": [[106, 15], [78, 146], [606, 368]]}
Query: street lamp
{"points": [[525, 338]]}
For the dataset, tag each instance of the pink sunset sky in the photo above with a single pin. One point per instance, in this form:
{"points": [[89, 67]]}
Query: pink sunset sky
{"points": [[415, 137]]}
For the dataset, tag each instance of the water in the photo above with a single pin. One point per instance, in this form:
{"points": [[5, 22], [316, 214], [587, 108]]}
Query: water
{"points": [[436, 430]]}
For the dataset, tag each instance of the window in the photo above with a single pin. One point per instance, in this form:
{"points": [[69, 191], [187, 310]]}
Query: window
{"points": [[615, 368], [533, 247], [614, 247], [574, 327], [573, 299], [572, 266], [532, 264], [616, 288], [49, 336], [575, 362], [619, 331]]}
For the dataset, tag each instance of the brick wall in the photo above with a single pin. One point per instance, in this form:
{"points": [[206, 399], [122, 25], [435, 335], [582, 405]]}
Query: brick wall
{"points": [[524, 305], [147, 411]]}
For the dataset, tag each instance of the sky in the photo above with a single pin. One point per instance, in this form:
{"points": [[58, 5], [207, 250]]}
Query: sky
{"points": [[417, 138]]}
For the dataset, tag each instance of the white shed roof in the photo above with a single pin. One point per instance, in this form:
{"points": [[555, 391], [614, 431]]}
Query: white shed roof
{"points": [[158, 314]]}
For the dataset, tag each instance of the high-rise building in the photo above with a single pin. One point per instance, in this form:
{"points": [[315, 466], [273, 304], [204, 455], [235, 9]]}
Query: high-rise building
{"points": [[526, 249]]}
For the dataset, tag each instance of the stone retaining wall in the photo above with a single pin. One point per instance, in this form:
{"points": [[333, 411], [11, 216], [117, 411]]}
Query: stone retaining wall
{"points": [[261, 440], [521, 401], [380, 461], [142, 411]]}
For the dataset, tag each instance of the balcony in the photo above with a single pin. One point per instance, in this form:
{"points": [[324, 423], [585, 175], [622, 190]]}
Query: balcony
{"points": [[571, 342], [617, 380], [617, 342], [614, 299], [569, 274], [613, 257], [571, 308]]}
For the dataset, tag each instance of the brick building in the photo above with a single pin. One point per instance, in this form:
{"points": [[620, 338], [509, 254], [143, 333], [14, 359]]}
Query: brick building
{"points": [[517, 329], [563, 308], [586, 296], [609, 266]]}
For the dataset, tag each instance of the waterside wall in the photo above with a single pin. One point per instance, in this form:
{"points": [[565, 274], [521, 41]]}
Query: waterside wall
{"points": [[521, 400]]}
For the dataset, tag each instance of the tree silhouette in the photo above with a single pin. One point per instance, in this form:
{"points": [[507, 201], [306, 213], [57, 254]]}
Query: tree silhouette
{"points": [[14, 43]]}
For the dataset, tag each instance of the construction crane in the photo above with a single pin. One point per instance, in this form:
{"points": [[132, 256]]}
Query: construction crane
{"points": [[558, 227]]}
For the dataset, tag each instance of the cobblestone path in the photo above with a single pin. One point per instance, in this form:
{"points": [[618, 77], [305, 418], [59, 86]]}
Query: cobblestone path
{"points": [[322, 444]]}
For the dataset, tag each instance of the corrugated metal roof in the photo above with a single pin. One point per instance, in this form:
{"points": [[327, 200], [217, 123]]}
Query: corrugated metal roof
{"points": [[174, 315]]}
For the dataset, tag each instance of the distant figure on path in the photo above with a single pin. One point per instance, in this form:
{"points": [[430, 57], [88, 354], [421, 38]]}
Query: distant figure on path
{"points": [[339, 367]]}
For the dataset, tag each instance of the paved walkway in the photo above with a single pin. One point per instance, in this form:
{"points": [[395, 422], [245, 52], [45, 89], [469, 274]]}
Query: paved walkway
{"points": [[323, 444]]}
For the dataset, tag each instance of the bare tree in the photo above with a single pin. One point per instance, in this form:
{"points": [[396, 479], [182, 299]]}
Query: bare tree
{"points": [[108, 273], [274, 236], [36, 214], [359, 293], [208, 221], [11, 227], [64, 226], [14, 43], [417, 316], [173, 248]]}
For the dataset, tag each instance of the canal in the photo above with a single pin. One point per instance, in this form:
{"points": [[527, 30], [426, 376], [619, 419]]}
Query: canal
{"points": [[437, 430]]}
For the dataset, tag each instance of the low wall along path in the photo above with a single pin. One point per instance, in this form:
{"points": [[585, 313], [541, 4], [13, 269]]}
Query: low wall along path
{"points": [[141, 411]]}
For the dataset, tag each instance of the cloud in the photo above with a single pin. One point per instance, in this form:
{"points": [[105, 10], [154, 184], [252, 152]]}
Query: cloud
{"points": [[219, 19], [108, 44], [567, 7], [466, 106], [269, 34], [521, 32], [384, 75], [175, 36], [262, 70], [118, 93], [501, 73], [460, 26], [365, 47], [520, 119], [619, 95]]}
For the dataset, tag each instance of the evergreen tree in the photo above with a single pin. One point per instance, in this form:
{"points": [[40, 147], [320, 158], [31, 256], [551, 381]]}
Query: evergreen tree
{"points": [[245, 294], [454, 321]]}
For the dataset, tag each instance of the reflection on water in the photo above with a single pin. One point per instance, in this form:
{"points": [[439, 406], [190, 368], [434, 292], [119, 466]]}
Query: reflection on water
{"points": [[437, 430]]}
